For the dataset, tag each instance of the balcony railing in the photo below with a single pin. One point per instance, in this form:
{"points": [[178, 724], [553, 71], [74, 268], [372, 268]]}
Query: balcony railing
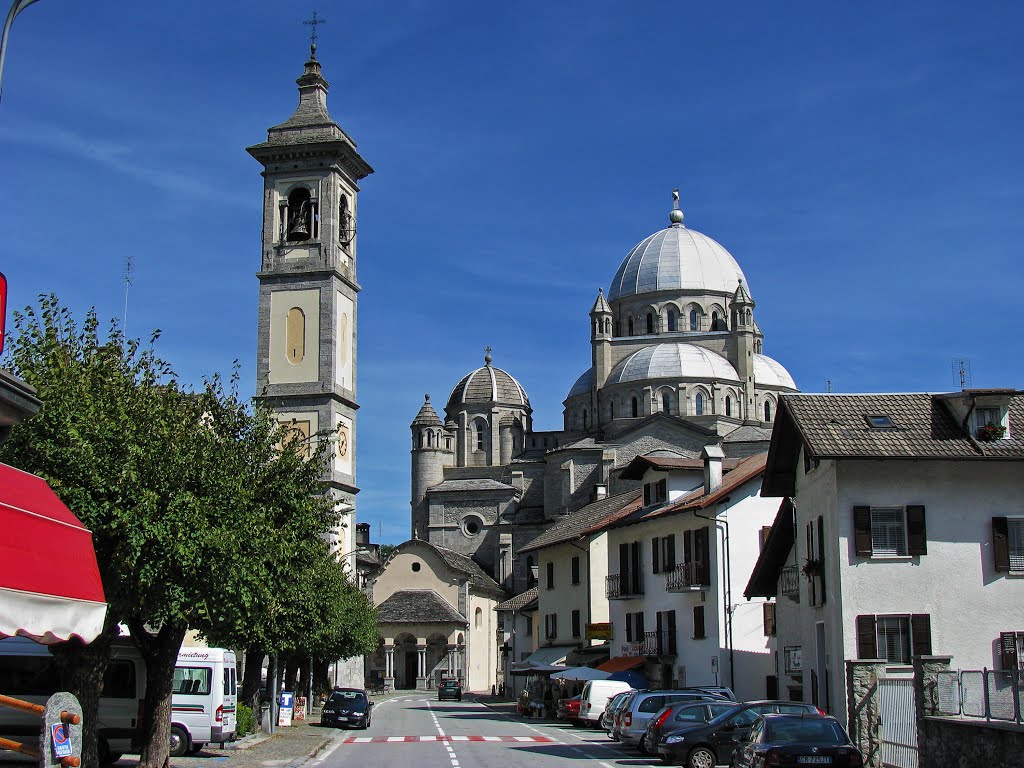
{"points": [[687, 576], [618, 586], [651, 644], [790, 582]]}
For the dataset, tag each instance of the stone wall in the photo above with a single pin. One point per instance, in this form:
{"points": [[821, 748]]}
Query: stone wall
{"points": [[862, 705], [949, 742]]}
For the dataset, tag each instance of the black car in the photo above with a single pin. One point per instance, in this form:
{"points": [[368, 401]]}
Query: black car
{"points": [[449, 689], [347, 708], [704, 745], [678, 715], [797, 740]]}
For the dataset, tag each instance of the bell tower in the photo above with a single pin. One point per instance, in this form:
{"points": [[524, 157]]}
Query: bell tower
{"points": [[306, 346]]}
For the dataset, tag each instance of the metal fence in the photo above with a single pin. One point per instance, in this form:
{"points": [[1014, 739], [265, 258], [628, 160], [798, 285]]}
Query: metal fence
{"points": [[991, 694]]}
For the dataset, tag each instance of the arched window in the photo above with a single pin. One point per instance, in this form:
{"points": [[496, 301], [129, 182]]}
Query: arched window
{"points": [[346, 224], [611, 409], [698, 404], [728, 406], [767, 410], [430, 439], [607, 325], [422, 440], [714, 322], [479, 435], [694, 320], [666, 403], [635, 408], [650, 323], [300, 214], [672, 325], [631, 326], [478, 618], [295, 335]]}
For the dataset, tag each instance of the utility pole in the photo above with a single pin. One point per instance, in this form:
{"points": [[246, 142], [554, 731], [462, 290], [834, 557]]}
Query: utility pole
{"points": [[16, 8]]}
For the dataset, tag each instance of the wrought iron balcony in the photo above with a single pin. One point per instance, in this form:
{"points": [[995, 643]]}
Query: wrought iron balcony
{"points": [[686, 577], [651, 644], [790, 582], [619, 586]]}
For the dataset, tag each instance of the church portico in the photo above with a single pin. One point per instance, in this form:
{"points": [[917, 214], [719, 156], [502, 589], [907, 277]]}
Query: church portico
{"points": [[418, 657]]}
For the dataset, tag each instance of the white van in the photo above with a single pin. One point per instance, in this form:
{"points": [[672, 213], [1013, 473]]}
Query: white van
{"points": [[204, 699], [28, 671], [595, 696]]}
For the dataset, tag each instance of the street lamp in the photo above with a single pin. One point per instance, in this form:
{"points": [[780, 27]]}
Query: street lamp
{"points": [[16, 8]]}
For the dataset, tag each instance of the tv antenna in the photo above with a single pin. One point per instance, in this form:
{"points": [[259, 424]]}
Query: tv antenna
{"points": [[962, 372]]}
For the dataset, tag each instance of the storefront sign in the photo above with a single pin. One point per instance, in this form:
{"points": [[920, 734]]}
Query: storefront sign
{"points": [[599, 631]]}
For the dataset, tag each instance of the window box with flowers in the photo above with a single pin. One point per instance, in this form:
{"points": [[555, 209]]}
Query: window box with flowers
{"points": [[990, 432], [811, 568]]}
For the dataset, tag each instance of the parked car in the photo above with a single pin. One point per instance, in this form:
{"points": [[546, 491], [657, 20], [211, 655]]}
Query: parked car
{"points": [[797, 740], [568, 708], [705, 745], [680, 714], [347, 707], [643, 707], [595, 696], [721, 690], [609, 710], [449, 689]]}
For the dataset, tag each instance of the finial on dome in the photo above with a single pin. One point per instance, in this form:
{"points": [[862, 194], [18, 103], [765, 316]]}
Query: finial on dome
{"points": [[426, 398], [313, 22], [487, 355], [675, 215]]}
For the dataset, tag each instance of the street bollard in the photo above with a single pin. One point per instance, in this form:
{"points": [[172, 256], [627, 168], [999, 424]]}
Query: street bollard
{"points": [[60, 740]]}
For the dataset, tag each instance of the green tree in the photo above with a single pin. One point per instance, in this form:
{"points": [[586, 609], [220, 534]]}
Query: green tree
{"points": [[199, 519]]}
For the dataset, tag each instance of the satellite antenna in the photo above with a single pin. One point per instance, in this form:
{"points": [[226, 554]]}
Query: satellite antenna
{"points": [[128, 264], [962, 372]]}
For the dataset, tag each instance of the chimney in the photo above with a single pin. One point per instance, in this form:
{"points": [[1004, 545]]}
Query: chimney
{"points": [[712, 455], [600, 491], [362, 534]]}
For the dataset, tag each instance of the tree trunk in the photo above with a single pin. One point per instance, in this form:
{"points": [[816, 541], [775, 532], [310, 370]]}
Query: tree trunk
{"points": [[82, 668], [161, 654], [291, 671], [304, 677], [251, 678], [322, 676]]}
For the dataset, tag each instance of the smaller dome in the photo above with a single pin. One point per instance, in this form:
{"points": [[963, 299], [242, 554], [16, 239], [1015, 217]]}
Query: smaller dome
{"points": [[583, 384], [485, 386], [673, 361], [770, 373]]}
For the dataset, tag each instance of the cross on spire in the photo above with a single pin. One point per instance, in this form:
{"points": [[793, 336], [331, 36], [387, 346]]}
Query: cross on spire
{"points": [[314, 22]]}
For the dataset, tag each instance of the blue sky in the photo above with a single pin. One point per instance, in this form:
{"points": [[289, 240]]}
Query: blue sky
{"points": [[863, 163]]}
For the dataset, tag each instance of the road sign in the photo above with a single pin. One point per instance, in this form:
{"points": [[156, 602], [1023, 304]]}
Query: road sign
{"points": [[61, 740]]}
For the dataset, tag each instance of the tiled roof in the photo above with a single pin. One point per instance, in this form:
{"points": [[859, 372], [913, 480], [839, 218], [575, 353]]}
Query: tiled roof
{"points": [[475, 484], [518, 602], [478, 577], [418, 606], [748, 433], [638, 466], [745, 470], [427, 416], [834, 427], [582, 520]]}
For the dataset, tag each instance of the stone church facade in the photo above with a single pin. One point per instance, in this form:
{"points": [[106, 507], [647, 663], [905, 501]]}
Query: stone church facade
{"points": [[677, 365]]}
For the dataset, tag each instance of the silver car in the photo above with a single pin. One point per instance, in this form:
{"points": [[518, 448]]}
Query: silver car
{"points": [[607, 717], [643, 707]]}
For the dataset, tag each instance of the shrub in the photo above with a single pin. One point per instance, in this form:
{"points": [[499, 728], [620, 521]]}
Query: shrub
{"points": [[246, 720]]}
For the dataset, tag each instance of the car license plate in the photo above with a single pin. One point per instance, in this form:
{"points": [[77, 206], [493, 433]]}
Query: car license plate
{"points": [[814, 759], [342, 719]]}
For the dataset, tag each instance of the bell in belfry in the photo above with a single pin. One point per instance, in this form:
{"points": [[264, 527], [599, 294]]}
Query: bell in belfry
{"points": [[298, 228]]}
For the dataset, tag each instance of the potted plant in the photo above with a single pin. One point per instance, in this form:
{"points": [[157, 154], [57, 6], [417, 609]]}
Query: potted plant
{"points": [[811, 568], [990, 432]]}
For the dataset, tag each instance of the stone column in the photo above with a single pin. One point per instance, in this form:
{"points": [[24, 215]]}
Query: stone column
{"points": [[862, 701], [421, 667], [389, 667], [926, 701]]}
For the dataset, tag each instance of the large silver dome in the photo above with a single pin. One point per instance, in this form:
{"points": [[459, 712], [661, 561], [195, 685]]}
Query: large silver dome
{"points": [[676, 258], [673, 361], [769, 372]]}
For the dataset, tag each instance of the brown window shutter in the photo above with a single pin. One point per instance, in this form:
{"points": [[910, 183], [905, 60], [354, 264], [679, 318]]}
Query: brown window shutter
{"points": [[765, 530], [867, 642], [670, 552], [647, 494], [639, 625], [921, 634], [636, 576], [698, 622], [862, 530], [1001, 544], [917, 535], [705, 556], [672, 632], [629, 627], [688, 547], [655, 554], [624, 569], [821, 555], [1008, 650], [768, 615]]}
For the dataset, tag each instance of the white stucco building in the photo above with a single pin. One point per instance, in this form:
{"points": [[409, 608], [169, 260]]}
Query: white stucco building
{"points": [[902, 534]]}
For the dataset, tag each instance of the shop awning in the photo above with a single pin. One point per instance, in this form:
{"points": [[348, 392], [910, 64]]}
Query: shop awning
{"points": [[50, 588], [622, 663], [543, 660]]}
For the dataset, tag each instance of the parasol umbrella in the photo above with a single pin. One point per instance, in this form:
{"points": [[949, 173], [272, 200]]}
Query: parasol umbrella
{"points": [[50, 588]]}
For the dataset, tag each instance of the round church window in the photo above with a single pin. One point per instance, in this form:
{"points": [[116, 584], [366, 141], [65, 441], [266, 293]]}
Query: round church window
{"points": [[471, 525], [416, 567]]}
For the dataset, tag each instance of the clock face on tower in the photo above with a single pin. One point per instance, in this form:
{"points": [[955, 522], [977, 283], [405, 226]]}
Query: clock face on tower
{"points": [[342, 441]]}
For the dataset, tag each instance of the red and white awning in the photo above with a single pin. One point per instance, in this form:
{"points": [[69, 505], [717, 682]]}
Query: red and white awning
{"points": [[50, 588]]}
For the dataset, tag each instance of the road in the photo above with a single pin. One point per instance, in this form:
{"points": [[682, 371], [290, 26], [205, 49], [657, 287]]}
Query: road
{"points": [[421, 731]]}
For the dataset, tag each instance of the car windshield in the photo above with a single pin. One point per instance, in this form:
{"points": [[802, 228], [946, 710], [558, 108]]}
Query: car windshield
{"points": [[726, 715], [348, 697], [450, 684], [800, 731]]}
